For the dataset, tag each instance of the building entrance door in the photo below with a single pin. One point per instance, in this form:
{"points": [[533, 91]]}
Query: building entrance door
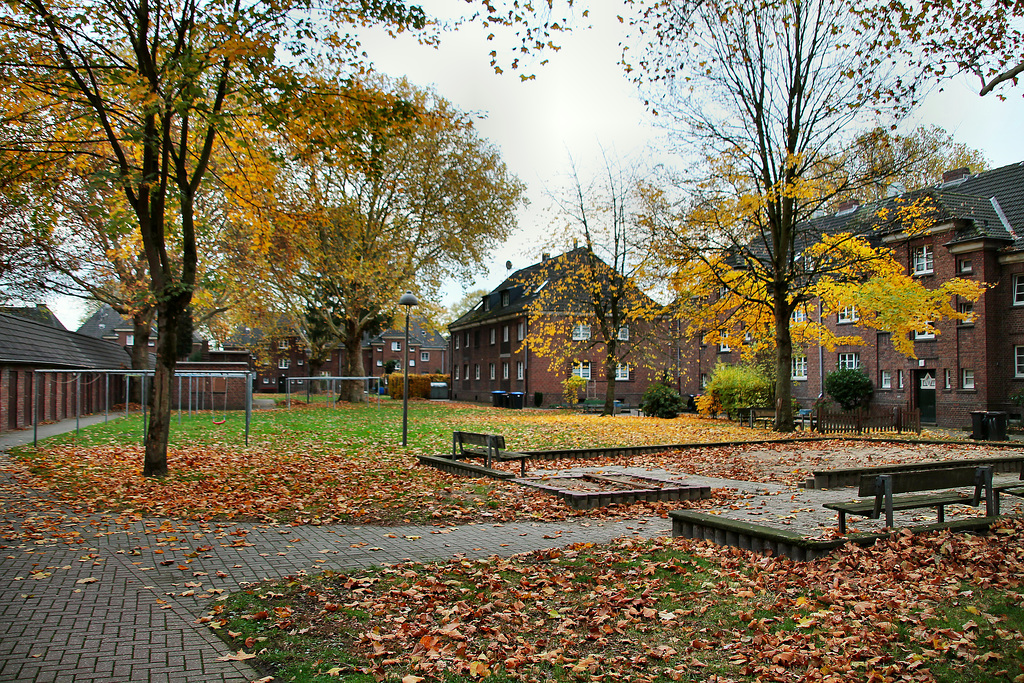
{"points": [[926, 395]]}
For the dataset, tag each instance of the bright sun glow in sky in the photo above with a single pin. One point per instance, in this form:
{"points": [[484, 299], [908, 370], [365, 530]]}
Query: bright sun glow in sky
{"points": [[582, 101]]}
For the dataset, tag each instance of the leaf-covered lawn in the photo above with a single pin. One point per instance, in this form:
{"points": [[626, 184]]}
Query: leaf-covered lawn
{"points": [[345, 465], [940, 607]]}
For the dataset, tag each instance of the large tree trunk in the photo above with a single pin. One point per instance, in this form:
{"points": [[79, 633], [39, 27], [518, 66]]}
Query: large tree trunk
{"points": [[168, 317], [783, 366], [353, 391], [610, 363], [142, 324]]}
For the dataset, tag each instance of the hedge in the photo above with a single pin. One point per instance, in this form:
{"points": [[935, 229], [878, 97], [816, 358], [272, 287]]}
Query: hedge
{"points": [[419, 385]]}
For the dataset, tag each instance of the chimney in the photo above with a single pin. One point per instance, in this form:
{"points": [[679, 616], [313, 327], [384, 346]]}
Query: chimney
{"points": [[847, 206], [544, 257], [956, 175]]}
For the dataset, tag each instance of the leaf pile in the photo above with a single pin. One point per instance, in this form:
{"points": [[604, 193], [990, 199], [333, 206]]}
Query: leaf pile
{"points": [[917, 608]]}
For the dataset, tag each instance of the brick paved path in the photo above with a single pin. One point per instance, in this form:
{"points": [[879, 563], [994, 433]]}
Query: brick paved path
{"points": [[108, 599]]}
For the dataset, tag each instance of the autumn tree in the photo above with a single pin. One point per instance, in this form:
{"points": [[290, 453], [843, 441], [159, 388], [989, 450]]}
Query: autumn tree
{"points": [[152, 90], [983, 40], [593, 301], [400, 195], [765, 94]]}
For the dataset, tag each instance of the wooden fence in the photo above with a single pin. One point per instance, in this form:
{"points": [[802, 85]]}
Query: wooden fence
{"points": [[872, 419]]}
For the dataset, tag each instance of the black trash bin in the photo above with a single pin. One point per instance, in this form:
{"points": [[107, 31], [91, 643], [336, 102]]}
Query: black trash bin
{"points": [[996, 425], [498, 399], [515, 400], [438, 390], [979, 425]]}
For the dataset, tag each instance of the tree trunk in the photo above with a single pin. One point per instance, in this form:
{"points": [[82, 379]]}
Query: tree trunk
{"points": [[142, 324], [353, 391], [168, 315], [609, 378], [783, 366]]}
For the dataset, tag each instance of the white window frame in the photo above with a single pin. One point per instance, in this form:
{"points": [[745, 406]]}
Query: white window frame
{"points": [[581, 369], [967, 378], [504, 333], [703, 380], [456, 342], [1018, 290], [622, 372], [506, 298], [494, 336], [504, 370], [966, 308], [300, 362], [899, 379], [522, 330], [799, 315], [492, 371], [476, 370], [923, 260], [1018, 357], [723, 346], [947, 379], [623, 334], [412, 362], [885, 381], [396, 346], [799, 367], [848, 361], [284, 363], [580, 332], [520, 370], [965, 265], [282, 345], [847, 315], [424, 356], [924, 336], [380, 363], [455, 370]]}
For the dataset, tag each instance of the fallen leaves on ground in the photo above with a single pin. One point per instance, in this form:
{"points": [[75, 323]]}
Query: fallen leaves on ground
{"points": [[916, 608]]}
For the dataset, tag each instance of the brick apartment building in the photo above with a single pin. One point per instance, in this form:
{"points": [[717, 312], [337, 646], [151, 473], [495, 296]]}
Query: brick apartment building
{"points": [[428, 350], [488, 353], [978, 233]]}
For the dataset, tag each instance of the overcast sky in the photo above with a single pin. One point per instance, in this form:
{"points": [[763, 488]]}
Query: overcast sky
{"points": [[581, 101]]}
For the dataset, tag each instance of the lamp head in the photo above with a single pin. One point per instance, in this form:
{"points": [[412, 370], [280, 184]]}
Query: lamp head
{"points": [[408, 299]]}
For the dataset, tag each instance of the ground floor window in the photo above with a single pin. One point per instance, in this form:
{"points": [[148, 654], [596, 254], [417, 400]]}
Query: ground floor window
{"points": [[800, 367], [504, 370], [966, 378], [581, 369], [1019, 353], [849, 361], [622, 371], [520, 370], [886, 379]]}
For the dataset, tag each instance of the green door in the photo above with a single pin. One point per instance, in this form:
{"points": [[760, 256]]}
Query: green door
{"points": [[926, 395]]}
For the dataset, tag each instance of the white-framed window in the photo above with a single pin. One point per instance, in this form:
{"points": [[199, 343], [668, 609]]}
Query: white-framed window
{"points": [[456, 371], [624, 333], [799, 315], [947, 379], [886, 379], [504, 370], [581, 369], [456, 342], [1018, 290], [380, 363], [129, 340], [284, 363], [522, 330], [922, 260], [723, 345], [491, 371], [899, 379], [924, 335], [465, 371], [282, 345], [849, 361], [622, 371], [703, 380], [266, 380], [494, 336], [848, 314], [520, 370], [476, 371], [424, 356], [1018, 361], [301, 362], [966, 378], [965, 265], [467, 339], [504, 333], [966, 309], [412, 362], [396, 346], [799, 366], [580, 332], [505, 298]]}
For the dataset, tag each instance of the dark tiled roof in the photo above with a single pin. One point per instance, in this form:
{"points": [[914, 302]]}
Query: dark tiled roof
{"points": [[419, 335], [103, 322], [29, 343], [39, 313]]}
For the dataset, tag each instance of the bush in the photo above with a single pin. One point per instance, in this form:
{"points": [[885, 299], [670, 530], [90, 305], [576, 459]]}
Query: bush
{"points": [[538, 399], [849, 388], [390, 366], [419, 385], [739, 386], [571, 389], [661, 400]]}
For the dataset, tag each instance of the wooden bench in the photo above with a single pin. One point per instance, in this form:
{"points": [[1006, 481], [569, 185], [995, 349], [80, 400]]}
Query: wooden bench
{"points": [[1010, 489], [883, 488], [490, 447], [755, 417]]}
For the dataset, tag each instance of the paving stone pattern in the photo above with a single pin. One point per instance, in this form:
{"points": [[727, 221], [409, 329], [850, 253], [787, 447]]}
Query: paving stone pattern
{"points": [[121, 605]]}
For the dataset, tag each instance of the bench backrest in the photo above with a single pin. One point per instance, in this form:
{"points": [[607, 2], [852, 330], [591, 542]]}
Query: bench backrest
{"points": [[482, 440], [923, 480]]}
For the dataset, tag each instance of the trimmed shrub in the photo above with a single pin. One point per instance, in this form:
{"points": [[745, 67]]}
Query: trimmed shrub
{"points": [[419, 385], [740, 386], [849, 388], [571, 389], [661, 400], [538, 399]]}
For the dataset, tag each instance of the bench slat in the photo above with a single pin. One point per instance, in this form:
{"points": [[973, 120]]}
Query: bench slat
{"points": [[922, 480]]}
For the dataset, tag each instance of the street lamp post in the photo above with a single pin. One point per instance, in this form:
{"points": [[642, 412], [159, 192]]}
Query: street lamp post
{"points": [[407, 300]]}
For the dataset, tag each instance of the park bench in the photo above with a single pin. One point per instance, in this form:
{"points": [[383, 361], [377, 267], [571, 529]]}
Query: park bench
{"points": [[490, 447], [596, 405], [1010, 489], [887, 493], [758, 417]]}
